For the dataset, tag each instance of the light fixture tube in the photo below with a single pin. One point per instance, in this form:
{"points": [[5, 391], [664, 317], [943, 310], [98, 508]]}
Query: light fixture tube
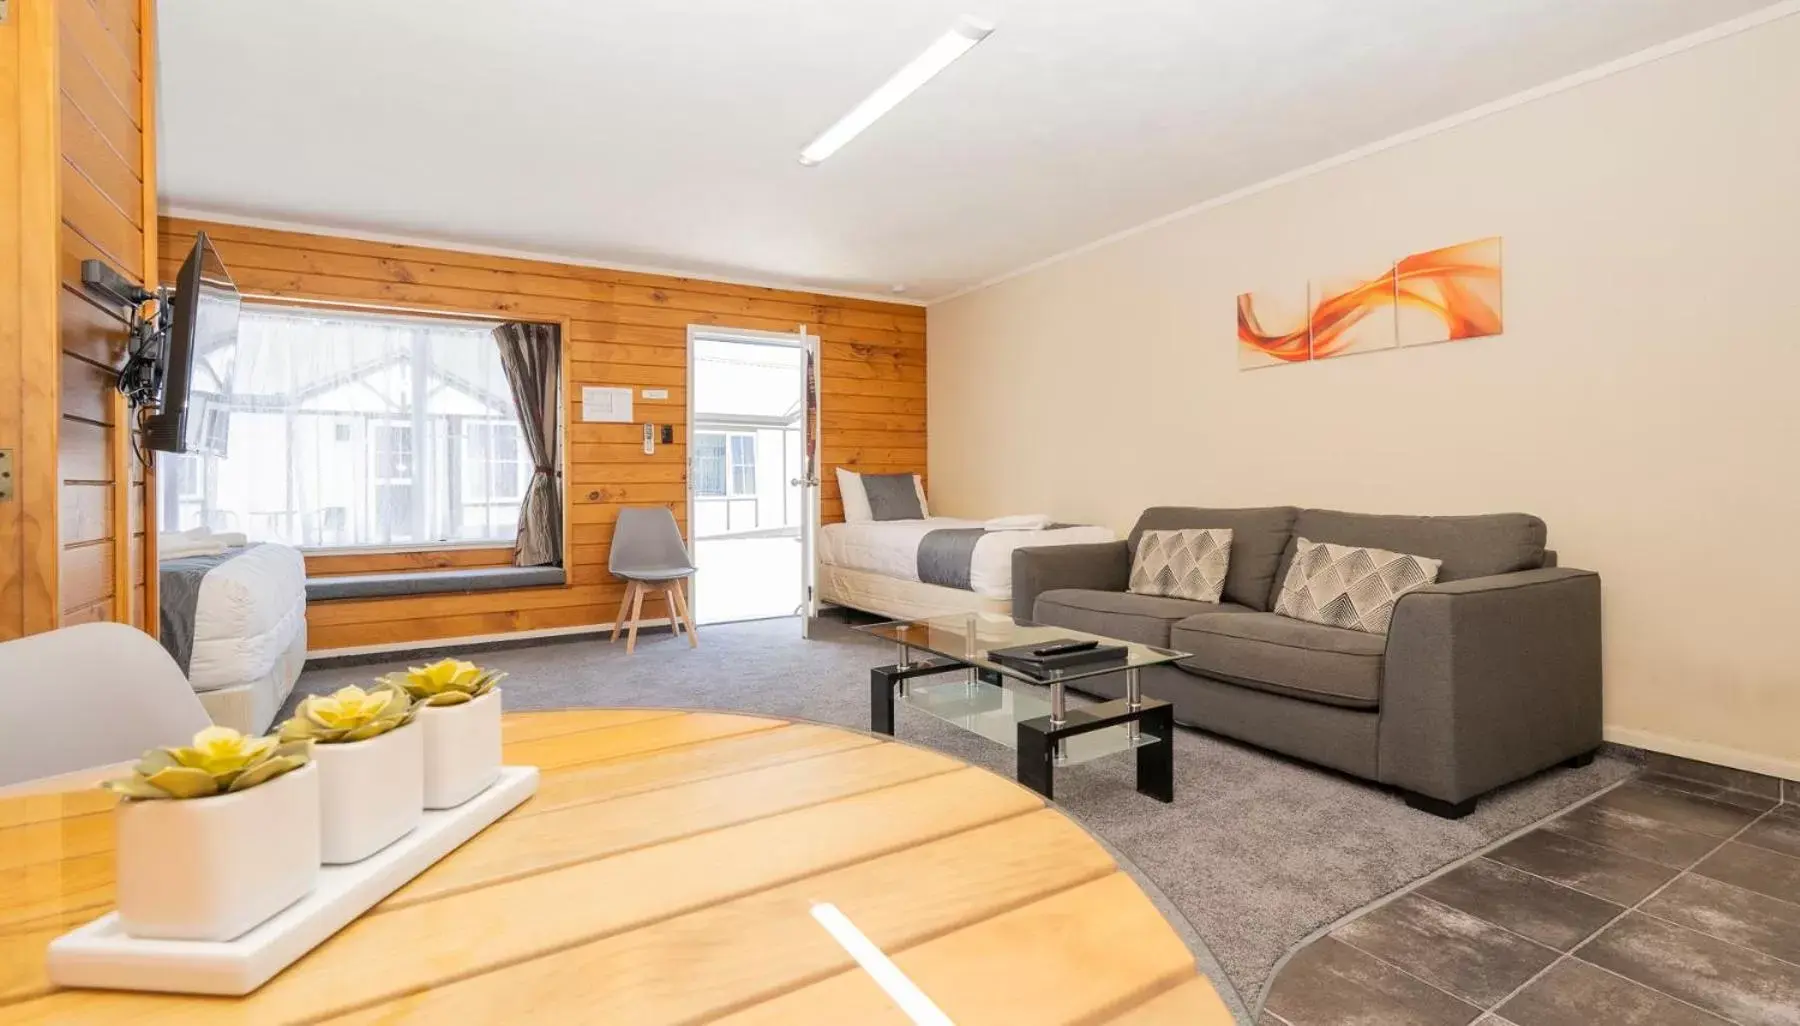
{"points": [[920, 70]]}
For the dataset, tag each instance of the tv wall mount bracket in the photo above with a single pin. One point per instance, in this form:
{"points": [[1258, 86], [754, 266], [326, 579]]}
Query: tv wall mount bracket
{"points": [[140, 379]]}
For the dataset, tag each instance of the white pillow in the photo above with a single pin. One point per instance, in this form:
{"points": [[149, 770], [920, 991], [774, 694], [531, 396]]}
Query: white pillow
{"points": [[919, 486], [856, 501]]}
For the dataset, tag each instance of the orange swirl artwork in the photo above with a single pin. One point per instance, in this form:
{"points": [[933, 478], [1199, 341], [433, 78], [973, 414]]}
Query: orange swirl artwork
{"points": [[1436, 296], [1449, 294]]}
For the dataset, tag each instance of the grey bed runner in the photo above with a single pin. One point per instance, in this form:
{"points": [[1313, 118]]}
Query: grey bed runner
{"points": [[946, 554], [179, 580]]}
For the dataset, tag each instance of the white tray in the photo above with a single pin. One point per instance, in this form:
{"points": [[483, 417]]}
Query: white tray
{"points": [[101, 955]]}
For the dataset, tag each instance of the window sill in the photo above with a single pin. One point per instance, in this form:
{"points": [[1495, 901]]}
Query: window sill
{"points": [[378, 550], [415, 583]]}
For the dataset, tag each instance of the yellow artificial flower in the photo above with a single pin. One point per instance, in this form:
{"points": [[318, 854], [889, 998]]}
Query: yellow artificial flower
{"points": [[445, 682], [349, 714], [443, 675], [220, 750], [220, 761], [349, 707]]}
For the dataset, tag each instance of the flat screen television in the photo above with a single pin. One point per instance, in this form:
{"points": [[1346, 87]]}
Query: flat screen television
{"points": [[205, 320]]}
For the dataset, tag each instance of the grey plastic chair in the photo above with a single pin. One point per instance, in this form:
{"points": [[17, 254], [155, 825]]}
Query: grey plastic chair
{"points": [[89, 696], [648, 553]]}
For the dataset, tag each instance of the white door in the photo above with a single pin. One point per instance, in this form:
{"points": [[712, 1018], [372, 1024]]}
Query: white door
{"points": [[752, 477], [808, 483]]}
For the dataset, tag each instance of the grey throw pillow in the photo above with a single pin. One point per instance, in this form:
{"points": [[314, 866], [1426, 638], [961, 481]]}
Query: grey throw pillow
{"points": [[1350, 586], [892, 497], [1187, 564]]}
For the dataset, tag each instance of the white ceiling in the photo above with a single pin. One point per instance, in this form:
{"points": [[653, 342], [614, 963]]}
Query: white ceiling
{"points": [[663, 134]]}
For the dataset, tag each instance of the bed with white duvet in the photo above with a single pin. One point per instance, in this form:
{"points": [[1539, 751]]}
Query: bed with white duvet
{"points": [[233, 615], [913, 568]]}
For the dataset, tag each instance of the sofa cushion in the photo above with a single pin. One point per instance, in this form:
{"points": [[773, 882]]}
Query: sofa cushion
{"points": [[1350, 586], [1120, 614], [1188, 564], [1283, 656], [1477, 546], [1258, 539]]}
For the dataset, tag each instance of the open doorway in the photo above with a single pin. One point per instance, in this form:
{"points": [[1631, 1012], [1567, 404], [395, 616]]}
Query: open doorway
{"points": [[746, 504]]}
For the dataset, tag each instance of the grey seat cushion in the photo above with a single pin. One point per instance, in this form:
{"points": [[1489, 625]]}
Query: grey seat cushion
{"points": [[1474, 546], [1120, 614], [1259, 537], [1284, 656], [432, 582]]}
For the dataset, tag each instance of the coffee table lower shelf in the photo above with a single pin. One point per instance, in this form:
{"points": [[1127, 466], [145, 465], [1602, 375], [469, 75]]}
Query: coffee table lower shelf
{"points": [[1014, 716]]}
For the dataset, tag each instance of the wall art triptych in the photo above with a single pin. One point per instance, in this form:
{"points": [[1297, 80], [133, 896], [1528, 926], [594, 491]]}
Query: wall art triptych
{"points": [[1441, 295]]}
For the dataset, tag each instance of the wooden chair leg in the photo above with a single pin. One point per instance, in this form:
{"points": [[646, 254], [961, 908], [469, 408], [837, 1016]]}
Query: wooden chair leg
{"points": [[668, 597], [637, 610], [624, 604], [680, 593]]}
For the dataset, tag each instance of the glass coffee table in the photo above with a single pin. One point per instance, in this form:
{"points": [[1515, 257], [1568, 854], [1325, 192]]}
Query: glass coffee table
{"points": [[1025, 710]]}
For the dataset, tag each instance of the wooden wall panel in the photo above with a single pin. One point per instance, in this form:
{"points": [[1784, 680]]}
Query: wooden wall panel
{"points": [[624, 329], [106, 198], [29, 357]]}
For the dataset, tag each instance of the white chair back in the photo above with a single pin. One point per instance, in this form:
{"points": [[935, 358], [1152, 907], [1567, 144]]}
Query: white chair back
{"points": [[88, 696]]}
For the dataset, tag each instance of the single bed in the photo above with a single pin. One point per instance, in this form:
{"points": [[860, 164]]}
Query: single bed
{"points": [[234, 618], [932, 566]]}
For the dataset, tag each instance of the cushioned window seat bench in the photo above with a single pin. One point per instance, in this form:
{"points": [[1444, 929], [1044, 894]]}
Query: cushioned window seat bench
{"points": [[433, 582]]}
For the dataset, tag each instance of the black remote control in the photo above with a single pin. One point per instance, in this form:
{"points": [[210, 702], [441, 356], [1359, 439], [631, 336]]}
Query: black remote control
{"points": [[1064, 648]]}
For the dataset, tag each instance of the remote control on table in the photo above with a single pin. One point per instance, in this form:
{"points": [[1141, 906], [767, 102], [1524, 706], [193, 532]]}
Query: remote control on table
{"points": [[1064, 648]]}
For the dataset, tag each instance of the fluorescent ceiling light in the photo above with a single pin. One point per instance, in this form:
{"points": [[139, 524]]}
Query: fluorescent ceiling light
{"points": [[920, 70]]}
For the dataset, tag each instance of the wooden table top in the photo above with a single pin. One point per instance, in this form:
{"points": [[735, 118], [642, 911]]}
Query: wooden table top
{"points": [[664, 872]]}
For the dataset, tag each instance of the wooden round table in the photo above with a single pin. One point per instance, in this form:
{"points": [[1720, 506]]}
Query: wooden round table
{"points": [[666, 871]]}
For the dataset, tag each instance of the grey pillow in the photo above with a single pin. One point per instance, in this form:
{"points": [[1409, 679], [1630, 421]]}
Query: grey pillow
{"points": [[892, 497]]}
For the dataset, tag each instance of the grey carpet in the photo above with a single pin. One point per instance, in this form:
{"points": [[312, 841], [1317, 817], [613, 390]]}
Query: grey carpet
{"points": [[1257, 852]]}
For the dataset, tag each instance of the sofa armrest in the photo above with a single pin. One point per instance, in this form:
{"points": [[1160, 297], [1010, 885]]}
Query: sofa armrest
{"points": [[1102, 566], [1490, 679]]}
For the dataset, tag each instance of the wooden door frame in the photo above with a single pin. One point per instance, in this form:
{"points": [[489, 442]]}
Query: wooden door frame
{"points": [[30, 346]]}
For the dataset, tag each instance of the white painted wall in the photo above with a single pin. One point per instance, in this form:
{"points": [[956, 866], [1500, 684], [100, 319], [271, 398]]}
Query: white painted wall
{"points": [[1642, 400]]}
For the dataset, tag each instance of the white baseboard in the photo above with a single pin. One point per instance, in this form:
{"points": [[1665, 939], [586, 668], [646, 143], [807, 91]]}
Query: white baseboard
{"points": [[473, 639], [1736, 758]]}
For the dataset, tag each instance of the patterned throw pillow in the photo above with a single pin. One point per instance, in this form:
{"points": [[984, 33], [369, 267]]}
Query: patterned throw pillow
{"points": [[1186, 564], [1347, 586]]}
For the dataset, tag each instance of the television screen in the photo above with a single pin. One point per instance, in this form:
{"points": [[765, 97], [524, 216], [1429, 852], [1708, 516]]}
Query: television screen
{"points": [[205, 321]]}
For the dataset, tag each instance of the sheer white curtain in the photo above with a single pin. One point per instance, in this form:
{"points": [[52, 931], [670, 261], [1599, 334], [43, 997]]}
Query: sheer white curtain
{"points": [[350, 430]]}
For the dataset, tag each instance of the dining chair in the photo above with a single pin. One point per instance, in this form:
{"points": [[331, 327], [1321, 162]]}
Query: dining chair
{"points": [[89, 696], [649, 555]]}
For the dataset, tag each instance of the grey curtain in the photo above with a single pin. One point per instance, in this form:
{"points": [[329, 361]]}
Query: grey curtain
{"points": [[530, 354]]}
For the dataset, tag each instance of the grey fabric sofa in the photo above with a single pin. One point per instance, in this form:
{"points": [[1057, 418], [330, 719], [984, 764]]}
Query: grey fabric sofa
{"points": [[1487, 676]]}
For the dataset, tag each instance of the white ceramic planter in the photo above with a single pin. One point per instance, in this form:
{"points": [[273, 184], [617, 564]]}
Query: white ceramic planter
{"points": [[462, 749], [371, 793], [211, 869]]}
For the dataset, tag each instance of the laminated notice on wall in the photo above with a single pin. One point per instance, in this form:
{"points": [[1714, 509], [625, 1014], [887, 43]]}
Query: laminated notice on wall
{"points": [[606, 405]]}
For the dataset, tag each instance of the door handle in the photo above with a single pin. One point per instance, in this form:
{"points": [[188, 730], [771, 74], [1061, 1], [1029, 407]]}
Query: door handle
{"points": [[805, 482]]}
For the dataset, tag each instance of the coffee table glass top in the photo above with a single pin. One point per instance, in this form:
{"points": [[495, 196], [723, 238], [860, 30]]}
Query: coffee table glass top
{"points": [[969, 637], [994, 710]]}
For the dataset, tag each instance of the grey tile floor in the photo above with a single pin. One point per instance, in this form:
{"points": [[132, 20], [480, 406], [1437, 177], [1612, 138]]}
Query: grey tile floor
{"points": [[1671, 899]]}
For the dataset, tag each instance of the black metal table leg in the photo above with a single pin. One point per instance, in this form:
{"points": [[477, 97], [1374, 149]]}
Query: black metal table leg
{"points": [[1156, 762], [1037, 758], [881, 700], [883, 681]]}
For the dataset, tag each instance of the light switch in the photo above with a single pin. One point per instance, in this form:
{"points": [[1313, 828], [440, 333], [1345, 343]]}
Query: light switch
{"points": [[649, 438]]}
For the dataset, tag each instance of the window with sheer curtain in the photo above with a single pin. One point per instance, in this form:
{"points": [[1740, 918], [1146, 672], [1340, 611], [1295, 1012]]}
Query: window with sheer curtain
{"points": [[355, 430]]}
